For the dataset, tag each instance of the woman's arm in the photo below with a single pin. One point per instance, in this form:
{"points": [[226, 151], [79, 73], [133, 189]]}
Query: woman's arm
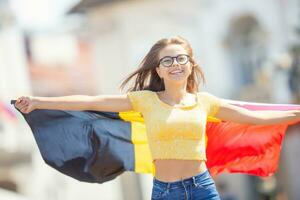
{"points": [[228, 112], [110, 103]]}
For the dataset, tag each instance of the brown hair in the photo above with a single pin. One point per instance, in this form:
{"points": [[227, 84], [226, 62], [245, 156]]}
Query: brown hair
{"points": [[147, 77]]}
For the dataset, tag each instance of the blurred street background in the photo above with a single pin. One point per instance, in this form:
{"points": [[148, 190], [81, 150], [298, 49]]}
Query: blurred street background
{"points": [[249, 50]]}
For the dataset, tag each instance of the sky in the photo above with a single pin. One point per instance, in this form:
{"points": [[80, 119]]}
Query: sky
{"points": [[40, 14]]}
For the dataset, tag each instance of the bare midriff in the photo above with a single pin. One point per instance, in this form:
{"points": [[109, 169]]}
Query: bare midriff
{"points": [[174, 170]]}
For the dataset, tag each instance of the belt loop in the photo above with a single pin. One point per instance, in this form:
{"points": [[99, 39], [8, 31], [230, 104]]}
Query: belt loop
{"points": [[194, 181], [168, 187], [186, 194]]}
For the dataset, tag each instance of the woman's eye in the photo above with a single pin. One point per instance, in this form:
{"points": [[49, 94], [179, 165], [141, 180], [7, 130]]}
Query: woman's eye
{"points": [[181, 59], [167, 61]]}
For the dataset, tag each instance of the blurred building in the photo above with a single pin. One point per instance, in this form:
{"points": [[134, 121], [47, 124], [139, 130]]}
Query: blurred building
{"points": [[241, 46], [59, 64], [14, 146]]}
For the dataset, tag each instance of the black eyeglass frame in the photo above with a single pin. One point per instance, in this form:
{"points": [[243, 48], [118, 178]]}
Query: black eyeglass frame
{"points": [[174, 57]]}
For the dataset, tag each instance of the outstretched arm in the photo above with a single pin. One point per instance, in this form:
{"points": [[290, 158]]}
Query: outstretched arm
{"points": [[110, 103], [232, 113]]}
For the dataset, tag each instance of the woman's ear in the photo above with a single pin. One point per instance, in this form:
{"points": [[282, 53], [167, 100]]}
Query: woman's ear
{"points": [[158, 71]]}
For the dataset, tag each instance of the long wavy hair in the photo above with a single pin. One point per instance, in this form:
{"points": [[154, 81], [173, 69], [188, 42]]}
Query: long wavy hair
{"points": [[147, 77]]}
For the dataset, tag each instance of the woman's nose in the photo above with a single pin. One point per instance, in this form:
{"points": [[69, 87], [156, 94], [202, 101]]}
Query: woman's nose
{"points": [[175, 63]]}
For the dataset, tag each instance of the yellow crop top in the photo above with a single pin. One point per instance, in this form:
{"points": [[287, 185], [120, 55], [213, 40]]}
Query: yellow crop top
{"points": [[175, 132]]}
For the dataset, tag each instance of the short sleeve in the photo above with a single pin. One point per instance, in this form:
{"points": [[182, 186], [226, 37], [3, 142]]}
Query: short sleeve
{"points": [[138, 100], [211, 103]]}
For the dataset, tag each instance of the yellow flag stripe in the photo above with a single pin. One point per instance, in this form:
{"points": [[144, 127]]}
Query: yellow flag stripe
{"points": [[143, 159]]}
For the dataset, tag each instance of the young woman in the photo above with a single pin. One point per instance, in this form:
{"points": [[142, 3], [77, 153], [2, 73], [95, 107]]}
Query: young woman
{"points": [[166, 94]]}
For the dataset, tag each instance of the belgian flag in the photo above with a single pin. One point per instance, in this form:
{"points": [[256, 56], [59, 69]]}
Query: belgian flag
{"points": [[93, 146]]}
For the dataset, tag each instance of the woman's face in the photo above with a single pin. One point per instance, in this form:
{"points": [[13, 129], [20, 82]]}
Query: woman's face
{"points": [[174, 65]]}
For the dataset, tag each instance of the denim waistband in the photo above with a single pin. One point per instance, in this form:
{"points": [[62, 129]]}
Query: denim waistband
{"points": [[203, 177]]}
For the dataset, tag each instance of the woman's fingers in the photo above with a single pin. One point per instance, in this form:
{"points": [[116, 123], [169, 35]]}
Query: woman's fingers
{"points": [[23, 104], [22, 107], [25, 109], [20, 99], [19, 104]]}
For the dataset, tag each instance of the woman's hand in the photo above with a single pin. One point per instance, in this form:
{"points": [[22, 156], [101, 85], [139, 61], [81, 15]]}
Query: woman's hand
{"points": [[26, 104]]}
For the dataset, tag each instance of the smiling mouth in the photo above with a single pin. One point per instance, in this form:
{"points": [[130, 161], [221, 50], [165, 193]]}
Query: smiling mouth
{"points": [[177, 72]]}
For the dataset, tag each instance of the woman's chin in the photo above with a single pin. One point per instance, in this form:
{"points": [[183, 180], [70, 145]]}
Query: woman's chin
{"points": [[177, 78]]}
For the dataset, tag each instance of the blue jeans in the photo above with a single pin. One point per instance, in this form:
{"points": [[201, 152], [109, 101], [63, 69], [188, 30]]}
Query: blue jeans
{"points": [[197, 187]]}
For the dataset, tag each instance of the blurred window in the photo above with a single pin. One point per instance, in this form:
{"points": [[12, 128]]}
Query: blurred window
{"points": [[246, 41]]}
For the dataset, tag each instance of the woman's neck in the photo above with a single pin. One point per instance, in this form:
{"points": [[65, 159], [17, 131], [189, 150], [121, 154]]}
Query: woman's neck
{"points": [[175, 93]]}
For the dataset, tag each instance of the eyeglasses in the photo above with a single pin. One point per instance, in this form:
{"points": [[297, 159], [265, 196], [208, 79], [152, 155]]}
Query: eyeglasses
{"points": [[167, 61]]}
